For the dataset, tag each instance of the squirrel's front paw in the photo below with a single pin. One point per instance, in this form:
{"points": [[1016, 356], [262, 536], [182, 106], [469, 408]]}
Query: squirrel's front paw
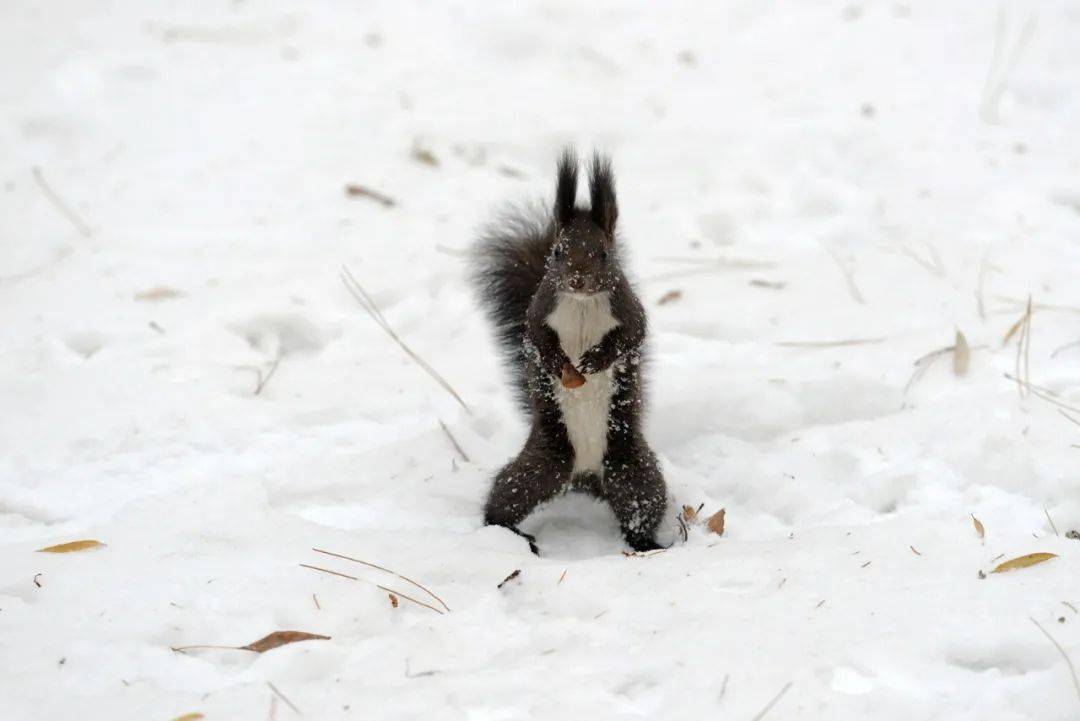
{"points": [[593, 361]]}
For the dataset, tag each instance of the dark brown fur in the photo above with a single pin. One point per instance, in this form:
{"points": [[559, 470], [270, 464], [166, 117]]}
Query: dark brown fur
{"points": [[523, 263]]}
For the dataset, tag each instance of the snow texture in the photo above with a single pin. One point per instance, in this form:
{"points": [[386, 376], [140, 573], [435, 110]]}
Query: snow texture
{"points": [[802, 172]]}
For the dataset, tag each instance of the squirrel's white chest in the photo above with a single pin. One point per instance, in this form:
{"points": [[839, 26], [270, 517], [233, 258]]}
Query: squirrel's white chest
{"points": [[581, 322]]}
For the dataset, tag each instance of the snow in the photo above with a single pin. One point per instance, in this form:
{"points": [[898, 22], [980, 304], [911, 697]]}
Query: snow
{"points": [[853, 152]]}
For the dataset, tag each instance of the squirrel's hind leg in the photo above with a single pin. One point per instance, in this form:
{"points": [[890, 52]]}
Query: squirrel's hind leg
{"points": [[634, 487], [537, 475]]}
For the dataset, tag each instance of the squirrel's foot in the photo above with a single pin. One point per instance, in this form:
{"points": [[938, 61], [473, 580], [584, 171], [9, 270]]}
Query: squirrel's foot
{"points": [[640, 544], [527, 536]]}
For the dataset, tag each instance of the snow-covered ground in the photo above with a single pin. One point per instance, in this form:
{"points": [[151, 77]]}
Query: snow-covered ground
{"points": [[887, 173]]}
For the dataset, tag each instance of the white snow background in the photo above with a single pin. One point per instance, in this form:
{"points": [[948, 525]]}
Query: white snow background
{"points": [[887, 173]]}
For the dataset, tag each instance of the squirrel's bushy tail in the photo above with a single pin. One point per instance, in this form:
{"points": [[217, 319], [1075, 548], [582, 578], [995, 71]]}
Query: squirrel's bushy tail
{"points": [[509, 263], [507, 267]]}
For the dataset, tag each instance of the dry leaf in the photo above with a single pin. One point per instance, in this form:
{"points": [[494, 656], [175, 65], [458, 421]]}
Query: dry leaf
{"points": [[72, 546], [281, 638], [160, 292], [689, 514], [393, 600], [189, 717], [670, 296], [978, 527], [425, 156], [571, 378], [716, 522], [1023, 561], [961, 355]]}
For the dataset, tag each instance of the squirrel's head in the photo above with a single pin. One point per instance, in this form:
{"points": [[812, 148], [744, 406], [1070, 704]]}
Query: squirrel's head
{"points": [[583, 256]]}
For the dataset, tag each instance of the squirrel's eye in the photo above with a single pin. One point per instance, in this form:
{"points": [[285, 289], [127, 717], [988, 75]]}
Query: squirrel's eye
{"points": [[558, 251], [603, 255]]}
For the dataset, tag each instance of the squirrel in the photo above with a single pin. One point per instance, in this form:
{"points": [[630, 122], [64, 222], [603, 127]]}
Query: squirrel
{"points": [[571, 328]]}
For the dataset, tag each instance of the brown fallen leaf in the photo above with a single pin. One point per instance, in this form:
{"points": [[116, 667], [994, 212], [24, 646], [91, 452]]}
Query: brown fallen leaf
{"points": [[961, 355], [670, 296], [393, 600], [716, 522], [571, 377], [160, 292], [978, 527], [190, 717], [1023, 561], [422, 155], [689, 514], [72, 546], [281, 638]]}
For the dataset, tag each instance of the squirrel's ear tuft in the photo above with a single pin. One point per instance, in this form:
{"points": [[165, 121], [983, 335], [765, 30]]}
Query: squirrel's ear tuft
{"points": [[566, 187], [605, 211]]}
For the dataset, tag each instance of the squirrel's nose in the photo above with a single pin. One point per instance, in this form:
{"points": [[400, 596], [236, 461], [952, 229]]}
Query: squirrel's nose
{"points": [[576, 282]]}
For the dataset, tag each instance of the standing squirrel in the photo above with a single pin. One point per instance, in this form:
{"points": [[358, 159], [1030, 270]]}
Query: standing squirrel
{"points": [[572, 328]]}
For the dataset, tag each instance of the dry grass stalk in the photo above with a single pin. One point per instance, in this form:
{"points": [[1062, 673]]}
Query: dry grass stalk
{"points": [[453, 442], [354, 190], [60, 205], [934, 266], [1070, 418], [368, 304], [1023, 349], [719, 262], [379, 586], [406, 579], [1067, 346], [997, 78], [263, 380], [1044, 393], [849, 276], [829, 343], [768, 706], [1052, 526], [1068, 661], [1019, 304], [281, 696]]}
